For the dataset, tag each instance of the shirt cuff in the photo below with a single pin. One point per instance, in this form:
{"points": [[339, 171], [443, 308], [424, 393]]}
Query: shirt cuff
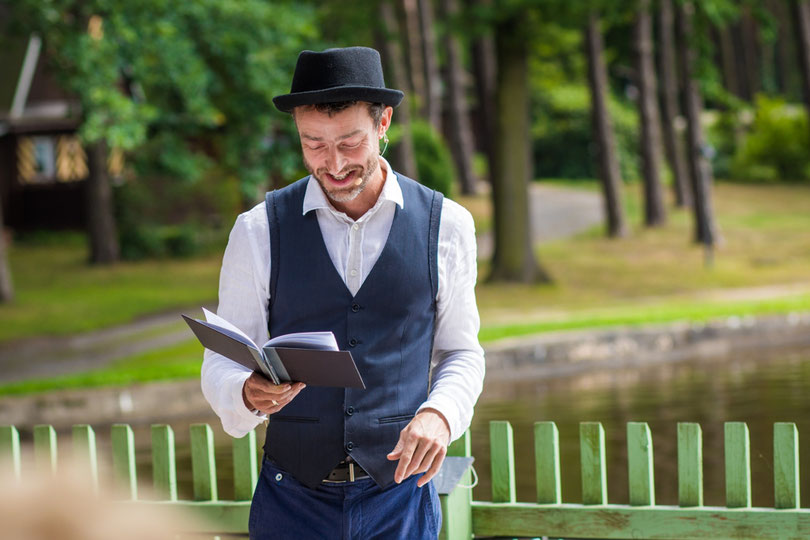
{"points": [[449, 410]]}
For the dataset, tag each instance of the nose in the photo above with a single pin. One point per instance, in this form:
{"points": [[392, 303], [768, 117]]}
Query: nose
{"points": [[335, 161]]}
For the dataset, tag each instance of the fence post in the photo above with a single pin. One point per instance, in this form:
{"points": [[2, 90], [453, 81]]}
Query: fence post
{"points": [[785, 465], [690, 464], [547, 462], [738, 465], [123, 447], [84, 452], [502, 457], [45, 448], [640, 474], [164, 474], [594, 471], [203, 465], [456, 506], [244, 467], [10, 450]]}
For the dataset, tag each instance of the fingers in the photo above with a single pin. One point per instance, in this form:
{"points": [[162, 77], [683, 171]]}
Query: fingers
{"points": [[263, 395], [434, 468]]}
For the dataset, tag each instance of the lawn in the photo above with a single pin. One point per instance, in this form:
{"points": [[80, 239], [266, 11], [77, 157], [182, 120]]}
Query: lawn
{"points": [[761, 266]]}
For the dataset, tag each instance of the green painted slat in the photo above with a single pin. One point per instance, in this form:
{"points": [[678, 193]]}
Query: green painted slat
{"points": [[203, 464], [84, 452], [456, 512], [10, 451], [640, 474], [245, 466], [690, 464], [164, 475], [123, 448], [212, 517], [613, 521], [502, 456], [45, 448], [738, 465], [547, 462], [785, 465], [594, 470]]}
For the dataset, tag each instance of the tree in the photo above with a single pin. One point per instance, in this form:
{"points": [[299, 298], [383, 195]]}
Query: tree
{"points": [[669, 98], [603, 128], [700, 169], [513, 258], [650, 140], [6, 286], [801, 17]]}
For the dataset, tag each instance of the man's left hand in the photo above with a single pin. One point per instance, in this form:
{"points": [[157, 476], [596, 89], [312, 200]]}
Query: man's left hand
{"points": [[421, 447]]}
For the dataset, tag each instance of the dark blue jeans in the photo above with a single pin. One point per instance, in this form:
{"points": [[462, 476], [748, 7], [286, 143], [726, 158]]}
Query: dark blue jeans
{"points": [[284, 508]]}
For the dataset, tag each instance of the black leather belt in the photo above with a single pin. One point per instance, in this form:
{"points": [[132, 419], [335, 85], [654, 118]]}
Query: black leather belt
{"points": [[346, 471]]}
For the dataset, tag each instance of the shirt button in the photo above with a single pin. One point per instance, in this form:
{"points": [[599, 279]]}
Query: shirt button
{"points": [[350, 411], [353, 273], [355, 227], [349, 446], [353, 342], [355, 307]]}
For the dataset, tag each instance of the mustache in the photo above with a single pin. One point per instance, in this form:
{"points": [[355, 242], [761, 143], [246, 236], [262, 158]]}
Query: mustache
{"points": [[346, 170]]}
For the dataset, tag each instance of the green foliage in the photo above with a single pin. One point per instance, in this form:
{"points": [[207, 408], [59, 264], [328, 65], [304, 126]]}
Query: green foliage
{"points": [[434, 162], [562, 135], [776, 147]]}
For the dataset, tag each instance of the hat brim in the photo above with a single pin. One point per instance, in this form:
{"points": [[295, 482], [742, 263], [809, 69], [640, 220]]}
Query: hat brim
{"points": [[387, 96]]}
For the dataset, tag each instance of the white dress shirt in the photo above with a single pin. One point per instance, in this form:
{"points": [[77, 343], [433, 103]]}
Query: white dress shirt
{"points": [[457, 365]]}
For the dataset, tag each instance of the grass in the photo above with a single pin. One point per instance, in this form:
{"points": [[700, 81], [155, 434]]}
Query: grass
{"points": [[58, 293], [651, 276]]}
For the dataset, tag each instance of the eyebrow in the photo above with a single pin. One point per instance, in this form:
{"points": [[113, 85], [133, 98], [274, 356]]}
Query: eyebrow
{"points": [[348, 135]]}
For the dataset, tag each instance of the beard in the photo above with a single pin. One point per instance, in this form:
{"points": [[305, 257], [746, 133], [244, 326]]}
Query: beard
{"points": [[347, 193]]}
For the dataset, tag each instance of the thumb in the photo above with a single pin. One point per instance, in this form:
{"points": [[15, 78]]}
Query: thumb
{"points": [[394, 454]]}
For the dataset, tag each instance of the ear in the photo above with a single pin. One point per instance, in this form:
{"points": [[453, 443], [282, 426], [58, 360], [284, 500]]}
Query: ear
{"points": [[385, 122]]}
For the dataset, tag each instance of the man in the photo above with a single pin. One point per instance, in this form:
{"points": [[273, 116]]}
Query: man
{"points": [[389, 266]]}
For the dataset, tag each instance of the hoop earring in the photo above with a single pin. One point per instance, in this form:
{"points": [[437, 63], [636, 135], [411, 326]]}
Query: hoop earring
{"points": [[385, 140]]}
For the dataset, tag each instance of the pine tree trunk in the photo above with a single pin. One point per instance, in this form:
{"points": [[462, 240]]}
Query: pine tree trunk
{"points": [[654, 210], [459, 132], [673, 142], [433, 91], [801, 17], [485, 71], [513, 258], [603, 128], [403, 159], [728, 62], [751, 47], [6, 285], [413, 35], [700, 169], [100, 216]]}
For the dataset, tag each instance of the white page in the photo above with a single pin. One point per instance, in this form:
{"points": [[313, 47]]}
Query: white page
{"points": [[324, 341], [213, 318]]}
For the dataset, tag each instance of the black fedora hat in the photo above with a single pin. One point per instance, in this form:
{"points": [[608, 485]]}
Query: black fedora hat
{"points": [[348, 74]]}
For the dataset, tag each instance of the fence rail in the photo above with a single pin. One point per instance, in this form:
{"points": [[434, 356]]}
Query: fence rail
{"points": [[503, 516]]}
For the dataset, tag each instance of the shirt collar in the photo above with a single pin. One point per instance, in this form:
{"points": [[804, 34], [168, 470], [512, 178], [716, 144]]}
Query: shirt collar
{"points": [[314, 198]]}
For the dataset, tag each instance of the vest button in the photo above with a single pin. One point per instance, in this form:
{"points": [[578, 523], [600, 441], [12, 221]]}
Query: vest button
{"points": [[350, 411], [349, 446], [355, 308], [353, 342]]}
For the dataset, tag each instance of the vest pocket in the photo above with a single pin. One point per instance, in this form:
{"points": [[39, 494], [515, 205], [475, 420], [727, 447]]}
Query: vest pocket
{"points": [[297, 419], [392, 419]]}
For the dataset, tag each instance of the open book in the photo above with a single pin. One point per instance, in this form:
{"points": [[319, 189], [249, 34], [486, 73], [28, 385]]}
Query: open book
{"points": [[309, 357]]}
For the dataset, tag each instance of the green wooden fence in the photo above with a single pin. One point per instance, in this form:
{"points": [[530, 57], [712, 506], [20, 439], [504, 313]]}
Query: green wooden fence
{"points": [[503, 516]]}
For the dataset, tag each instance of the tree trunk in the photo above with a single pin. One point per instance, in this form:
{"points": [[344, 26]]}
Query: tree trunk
{"points": [[485, 69], [6, 286], [654, 210], [673, 142], [100, 217], [603, 128], [513, 258], [700, 169], [751, 47], [459, 132], [413, 35], [433, 91], [785, 72], [728, 62], [801, 17], [403, 159]]}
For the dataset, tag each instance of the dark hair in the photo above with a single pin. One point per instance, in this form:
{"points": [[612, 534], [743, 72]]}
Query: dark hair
{"points": [[375, 110]]}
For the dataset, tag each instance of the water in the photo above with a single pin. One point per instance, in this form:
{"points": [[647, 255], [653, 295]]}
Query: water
{"points": [[759, 388]]}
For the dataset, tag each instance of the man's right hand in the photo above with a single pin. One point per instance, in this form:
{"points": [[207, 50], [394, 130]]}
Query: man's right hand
{"points": [[260, 393]]}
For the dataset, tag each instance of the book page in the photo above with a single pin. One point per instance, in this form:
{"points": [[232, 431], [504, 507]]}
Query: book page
{"points": [[322, 341], [215, 319]]}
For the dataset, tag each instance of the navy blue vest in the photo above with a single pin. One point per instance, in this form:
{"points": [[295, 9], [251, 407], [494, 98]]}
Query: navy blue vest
{"points": [[388, 326]]}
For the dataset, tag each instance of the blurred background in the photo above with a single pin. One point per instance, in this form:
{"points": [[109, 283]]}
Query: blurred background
{"points": [[638, 172]]}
